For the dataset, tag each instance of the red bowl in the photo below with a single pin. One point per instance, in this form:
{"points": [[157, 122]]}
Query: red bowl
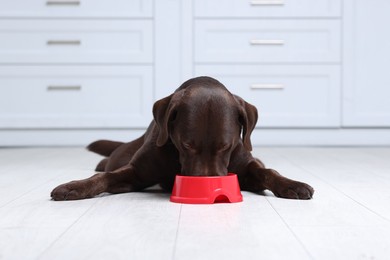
{"points": [[206, 189]]}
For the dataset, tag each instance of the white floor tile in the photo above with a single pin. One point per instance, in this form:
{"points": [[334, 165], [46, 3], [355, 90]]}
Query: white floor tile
{"points": [[348, 218]]}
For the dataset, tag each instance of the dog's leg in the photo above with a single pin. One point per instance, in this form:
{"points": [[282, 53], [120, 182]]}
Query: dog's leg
{"points": [[118, 181], [259, 178]]}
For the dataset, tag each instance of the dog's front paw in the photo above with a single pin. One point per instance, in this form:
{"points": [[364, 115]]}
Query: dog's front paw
{"points": [[294, 190], [73, 190]]}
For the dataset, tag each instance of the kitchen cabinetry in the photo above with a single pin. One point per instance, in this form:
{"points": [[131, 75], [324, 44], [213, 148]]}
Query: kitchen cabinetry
{"points": [[73, 71], [366, 85], [276, 56], [76, 64]]}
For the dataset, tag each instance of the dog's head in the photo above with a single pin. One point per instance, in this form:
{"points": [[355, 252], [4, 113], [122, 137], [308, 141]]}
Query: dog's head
{"points": [[206, 123]]}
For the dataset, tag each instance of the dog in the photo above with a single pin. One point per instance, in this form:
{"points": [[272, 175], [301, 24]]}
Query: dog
{"points": [[199, 130]]}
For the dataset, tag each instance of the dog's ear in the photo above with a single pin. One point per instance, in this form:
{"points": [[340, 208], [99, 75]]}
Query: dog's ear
{"points": [[162, 112], [248, 119]]}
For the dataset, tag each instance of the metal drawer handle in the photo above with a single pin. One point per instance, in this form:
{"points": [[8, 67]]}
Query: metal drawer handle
{"points": [[63, 3], [63, 88], [267, 86], [267, 2], [266, 42], [63, 42]]}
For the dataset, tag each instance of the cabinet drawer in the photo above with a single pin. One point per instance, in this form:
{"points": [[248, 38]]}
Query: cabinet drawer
{"points": [[268, 8], [75, 97], [76, 41], [258, 41], [285, 96], [76, 8]]}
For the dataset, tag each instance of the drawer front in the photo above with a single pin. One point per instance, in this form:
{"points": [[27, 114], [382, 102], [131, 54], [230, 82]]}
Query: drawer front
{"points": [[285, 96], [76, 8], [75, 97], [76, 41], [268, 8], [257, 41]]}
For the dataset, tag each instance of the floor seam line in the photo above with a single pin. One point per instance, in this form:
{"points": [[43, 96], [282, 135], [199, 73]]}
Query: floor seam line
{"points": [[291, 231], [177, 234], [66, 230]]}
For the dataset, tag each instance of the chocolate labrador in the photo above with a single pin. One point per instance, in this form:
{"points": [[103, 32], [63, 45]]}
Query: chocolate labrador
{"points": [[201, 130]]}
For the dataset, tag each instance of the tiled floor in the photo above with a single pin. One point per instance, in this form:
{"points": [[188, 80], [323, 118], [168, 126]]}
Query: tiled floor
{"points": [[348, 218]]}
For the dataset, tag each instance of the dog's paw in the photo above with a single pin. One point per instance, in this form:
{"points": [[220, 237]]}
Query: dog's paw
{"points": [[73, 190], [295, 190]]}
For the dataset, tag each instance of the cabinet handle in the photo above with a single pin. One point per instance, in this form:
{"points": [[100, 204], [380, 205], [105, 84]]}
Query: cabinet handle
{"points": [[63, 3], [63, 88], [267, 86], [266, 42], [267, 2], [63, 42]]}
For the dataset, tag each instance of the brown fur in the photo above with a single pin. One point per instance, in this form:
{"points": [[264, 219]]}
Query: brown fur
{"points": [[201, 129]]}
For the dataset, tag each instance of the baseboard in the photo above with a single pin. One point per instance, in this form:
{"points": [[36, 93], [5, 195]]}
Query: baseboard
{"points": [[260, 137]]}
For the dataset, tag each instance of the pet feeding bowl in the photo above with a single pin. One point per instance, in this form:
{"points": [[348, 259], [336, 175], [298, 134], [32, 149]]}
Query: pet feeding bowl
{"points": [[206, 189]]}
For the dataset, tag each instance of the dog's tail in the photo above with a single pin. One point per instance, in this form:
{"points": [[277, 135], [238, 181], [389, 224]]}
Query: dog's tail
{"points": [[104, 147]]}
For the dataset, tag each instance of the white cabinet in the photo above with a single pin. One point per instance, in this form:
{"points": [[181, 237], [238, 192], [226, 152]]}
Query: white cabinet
{"points": [[75, 96], [76, 41], [267, 8], [366, 85], [76, 64], [276, 56], [76, 8], [285, 95], [73, 71], [261, 41]]}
